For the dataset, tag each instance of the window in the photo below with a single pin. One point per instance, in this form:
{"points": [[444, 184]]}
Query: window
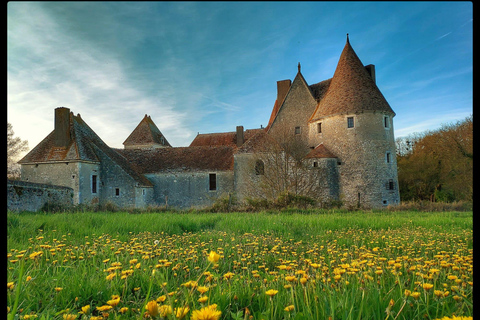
{"points": [[319, 127], [117, 191], [390, 185], [94, 184], [212, 181], [259, 167], [297, 130], [315, 164], [388, 157], [386, 122], [350, 122]]}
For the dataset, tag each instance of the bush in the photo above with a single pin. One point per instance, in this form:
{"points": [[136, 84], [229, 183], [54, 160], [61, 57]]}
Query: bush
{"points": [[294, 200]]}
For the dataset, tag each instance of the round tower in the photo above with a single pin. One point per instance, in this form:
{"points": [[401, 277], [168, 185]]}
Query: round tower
{"points": [[355, 122]]}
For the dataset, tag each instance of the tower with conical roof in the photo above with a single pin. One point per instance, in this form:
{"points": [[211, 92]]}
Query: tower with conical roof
{"points": [[354, 121]]}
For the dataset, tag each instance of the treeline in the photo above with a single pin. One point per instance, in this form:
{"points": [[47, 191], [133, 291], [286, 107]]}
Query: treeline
{"points": [[437, 165]]}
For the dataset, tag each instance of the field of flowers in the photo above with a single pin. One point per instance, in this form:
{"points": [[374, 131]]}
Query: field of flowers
{"points": [[240, 266]]}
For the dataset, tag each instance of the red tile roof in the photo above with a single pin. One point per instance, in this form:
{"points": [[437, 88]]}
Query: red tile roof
{"points": [[180, 159], [222, 138], [320, 152], [352, 89]]}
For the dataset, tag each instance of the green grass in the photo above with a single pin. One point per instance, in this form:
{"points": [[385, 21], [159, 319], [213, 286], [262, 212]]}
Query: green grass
{"points": [[78, 249]]}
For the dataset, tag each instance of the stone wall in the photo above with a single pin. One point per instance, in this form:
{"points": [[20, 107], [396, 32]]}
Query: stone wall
{"points": [[29, 196], [189, 189]]}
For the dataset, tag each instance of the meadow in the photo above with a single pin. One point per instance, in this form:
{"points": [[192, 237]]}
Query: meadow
{"points": [[268, 265]]}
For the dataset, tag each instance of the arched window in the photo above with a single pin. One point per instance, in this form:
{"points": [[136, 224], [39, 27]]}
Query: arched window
{"points": [[259, 167]]}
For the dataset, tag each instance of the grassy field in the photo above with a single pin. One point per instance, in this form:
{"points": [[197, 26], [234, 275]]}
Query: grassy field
{"points": [[269, 265]]}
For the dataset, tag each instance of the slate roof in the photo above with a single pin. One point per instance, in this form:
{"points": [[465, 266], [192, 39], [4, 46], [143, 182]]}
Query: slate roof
{"points": [[320, 152], [351, 89], [222, 138], [85, 145], [146, 133], [180, 159]]}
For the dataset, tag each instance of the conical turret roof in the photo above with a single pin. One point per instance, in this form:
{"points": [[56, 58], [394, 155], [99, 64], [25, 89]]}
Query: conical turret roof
{"points": [[352, 89]]}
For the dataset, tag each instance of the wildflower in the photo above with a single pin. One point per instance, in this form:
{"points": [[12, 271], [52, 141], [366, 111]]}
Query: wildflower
{"points": [[213, 257], [10, 285], [115, 300], [427, 286], [202, 299], [164, 310], [85, 309], [271, 292], [111, 276], [152, 308], [104, 308], [123, 310], [415, 295], [202, 290], [407, 292], [28, 278], [438, 293], [289, 308], [207, 313], [180, 313], [303, 280], [162, 298], [290, 278], [69, 316], [58, 289]]}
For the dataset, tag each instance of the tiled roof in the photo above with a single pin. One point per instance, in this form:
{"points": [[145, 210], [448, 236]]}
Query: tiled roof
{"points": [[260, 142], [319, 89], [146, 133], [222, 138], [320, 152], [352, 89], [85, 145], [180, 159]]}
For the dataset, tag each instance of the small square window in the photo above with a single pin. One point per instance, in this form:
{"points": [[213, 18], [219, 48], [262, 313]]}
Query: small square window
{"points": [[117, 191], [315, 164], [350, 122], [297, 130]]}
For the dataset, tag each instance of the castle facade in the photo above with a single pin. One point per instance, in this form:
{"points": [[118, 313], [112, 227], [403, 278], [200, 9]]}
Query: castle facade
{"points": [[332, 141]]}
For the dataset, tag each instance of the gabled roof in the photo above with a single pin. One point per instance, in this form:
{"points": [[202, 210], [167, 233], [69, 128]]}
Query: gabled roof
{"points": [[221, 138], [85, 145], [351, 90], [146, 133], [204, 158], [277, 108], [260, 142], [320, 152]]}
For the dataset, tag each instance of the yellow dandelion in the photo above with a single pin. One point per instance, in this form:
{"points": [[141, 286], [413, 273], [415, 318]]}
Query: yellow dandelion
{"points": [[271, 292], [104, 308], [289, 308], [180, 313], [164, 310], [152, 308], [213, 257], [10, 285], [207, 313], [427, 286], [415, 295], [202, 299], [85, 309], [58, 289], [202, 289], [123, 310], [69, 316]]}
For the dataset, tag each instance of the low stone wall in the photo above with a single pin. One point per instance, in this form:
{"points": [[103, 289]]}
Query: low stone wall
{"points": [[29, 196]]}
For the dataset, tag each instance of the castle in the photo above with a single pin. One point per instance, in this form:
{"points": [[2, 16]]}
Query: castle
{"points": [[335, 137]]}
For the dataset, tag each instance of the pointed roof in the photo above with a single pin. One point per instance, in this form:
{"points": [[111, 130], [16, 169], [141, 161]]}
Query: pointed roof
{"points": [[146, 134], [351, 90], [320, 152], [85, 145], [279, 104]]}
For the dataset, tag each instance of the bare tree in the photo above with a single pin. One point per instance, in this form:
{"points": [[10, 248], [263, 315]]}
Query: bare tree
{"points": [[15, 146]]}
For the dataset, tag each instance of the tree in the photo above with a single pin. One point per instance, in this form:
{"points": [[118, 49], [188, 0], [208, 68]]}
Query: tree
{"points": [[15, 146], [437, 165]]}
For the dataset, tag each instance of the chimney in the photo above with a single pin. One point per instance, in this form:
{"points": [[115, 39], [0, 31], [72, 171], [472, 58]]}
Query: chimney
{"points": [[62, 127], [282, 89], [240, 137], [371, 71]]}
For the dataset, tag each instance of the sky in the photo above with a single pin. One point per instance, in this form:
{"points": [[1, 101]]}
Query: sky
{"points": [[203, 67]]}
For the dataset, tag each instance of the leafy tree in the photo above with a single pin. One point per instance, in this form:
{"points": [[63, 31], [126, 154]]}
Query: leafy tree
{"points": [[15, 146]]}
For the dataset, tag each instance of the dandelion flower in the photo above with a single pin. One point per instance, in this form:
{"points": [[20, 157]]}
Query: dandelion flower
{"points": [[104, 308], [213, 257], [85, 309], [180, 313], [427, 286], [202, 289], [202, 299], [10, 285], [152, 308], [289, 308], [58, 289], [415, 295], [123, 310], [164, 310], [207, 313], [271, 292], [69, 316]]}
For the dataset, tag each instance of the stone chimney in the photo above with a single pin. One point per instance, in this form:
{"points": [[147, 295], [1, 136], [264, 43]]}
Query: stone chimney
{"points": [[282, 89], [62, 127], [371, 71], [240, 136]]}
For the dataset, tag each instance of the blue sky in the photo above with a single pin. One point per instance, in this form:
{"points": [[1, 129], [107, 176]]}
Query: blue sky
{"points": [[210, 66]]}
